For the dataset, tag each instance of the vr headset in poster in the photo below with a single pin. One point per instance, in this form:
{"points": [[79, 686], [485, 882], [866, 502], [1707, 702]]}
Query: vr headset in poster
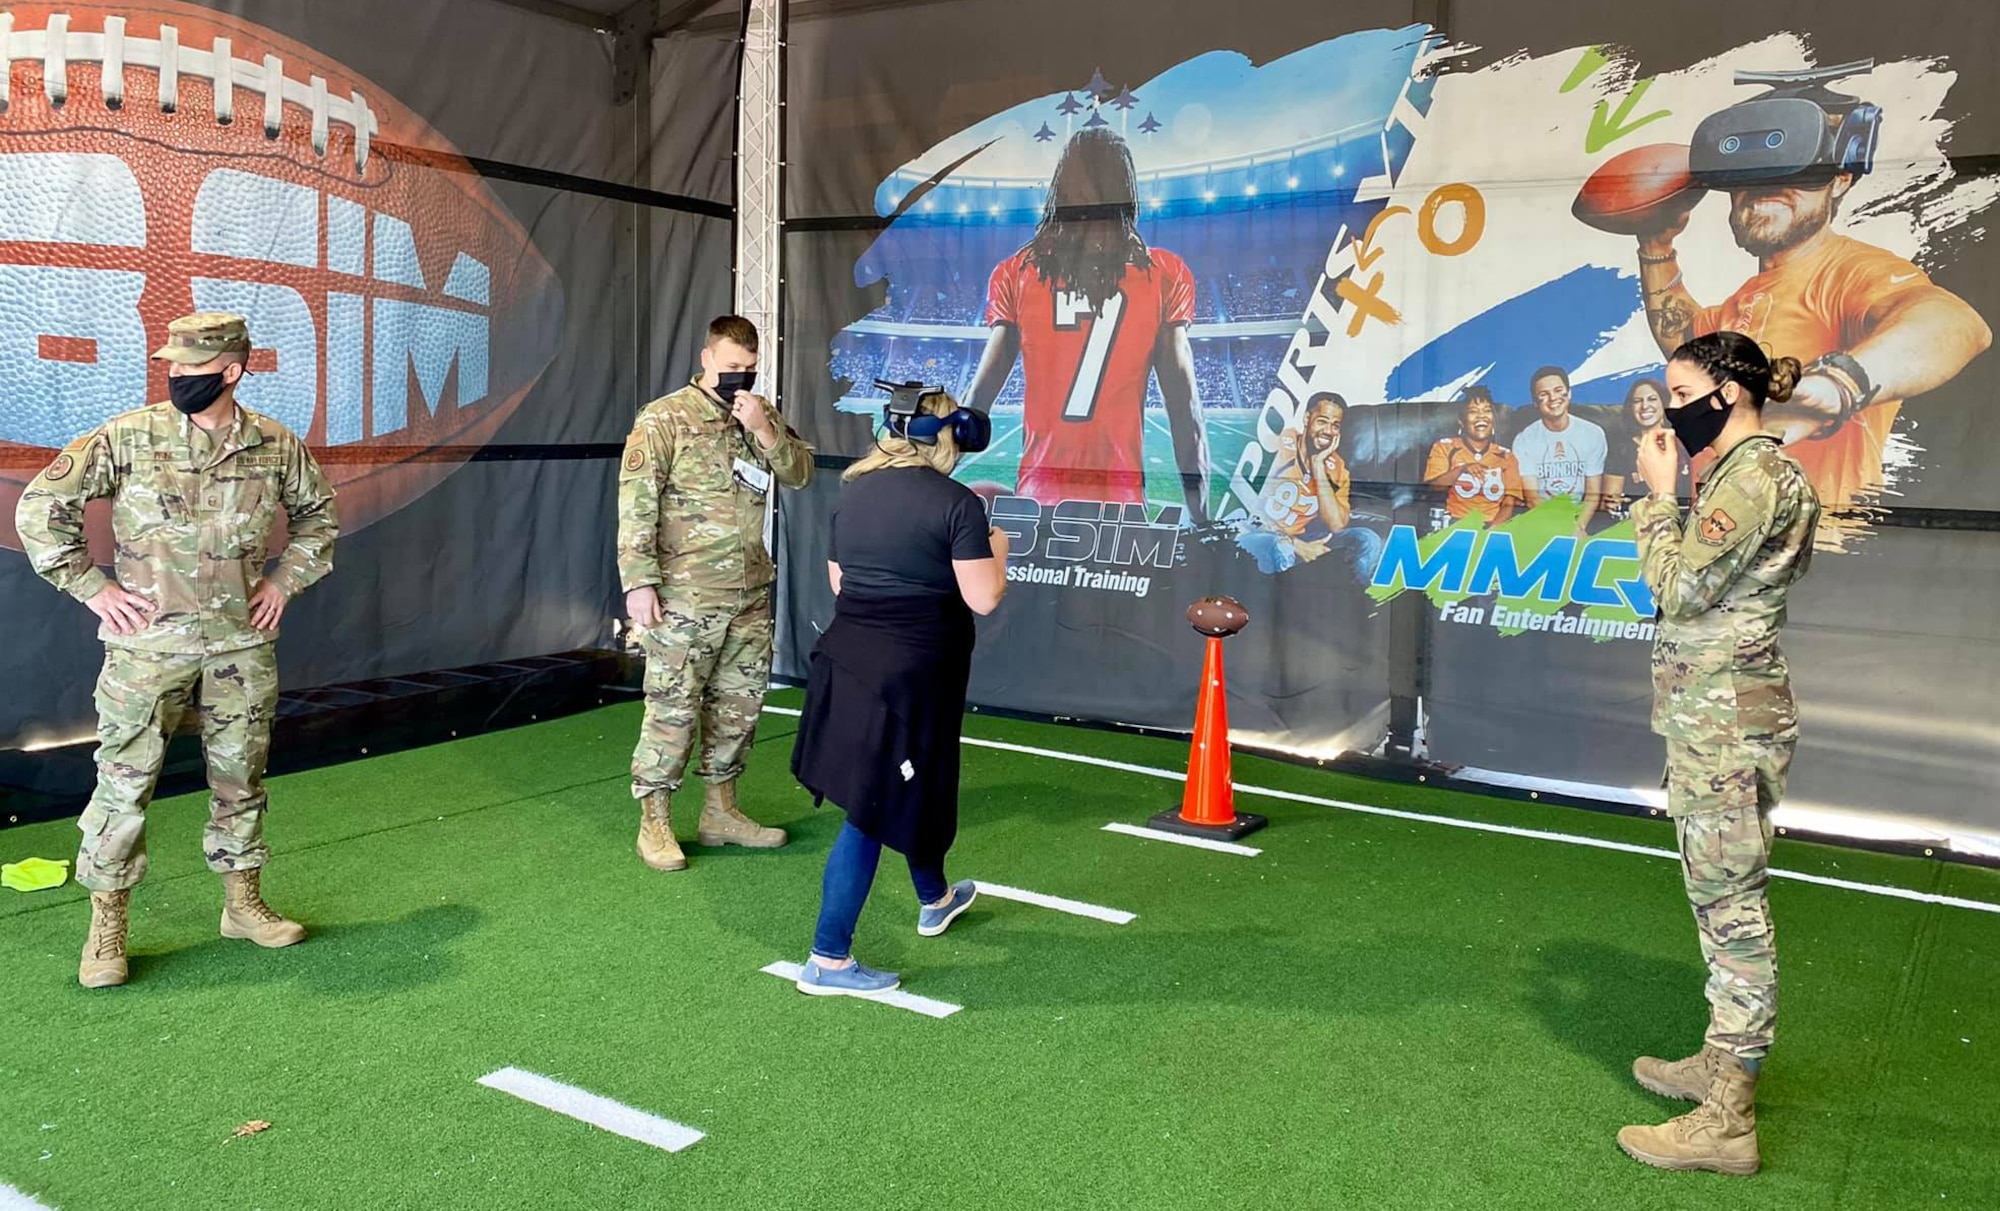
{"points": [[1240, 305]]}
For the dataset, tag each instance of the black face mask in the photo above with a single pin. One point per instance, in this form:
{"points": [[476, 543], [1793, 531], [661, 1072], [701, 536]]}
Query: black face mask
{"points": [[192, 393], [729, 382], [1696, 424]]}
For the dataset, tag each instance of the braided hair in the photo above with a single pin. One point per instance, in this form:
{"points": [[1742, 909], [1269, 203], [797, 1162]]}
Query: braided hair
{"points": [[1734, 357], [1089, 233]]}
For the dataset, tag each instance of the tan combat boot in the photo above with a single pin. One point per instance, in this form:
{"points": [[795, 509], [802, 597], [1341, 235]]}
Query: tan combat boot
{"points": [[1719, 1135], [657, 847], [1687, 1079], [245, 915], [103, 963], [722, 824]]}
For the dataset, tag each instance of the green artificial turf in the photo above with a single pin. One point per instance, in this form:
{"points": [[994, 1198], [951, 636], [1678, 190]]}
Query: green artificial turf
{"points": [[1375, 1013]]}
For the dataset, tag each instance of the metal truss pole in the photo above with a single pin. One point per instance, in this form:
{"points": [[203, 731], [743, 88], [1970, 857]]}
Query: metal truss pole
{"points": [[759, 177], [760, 169]]}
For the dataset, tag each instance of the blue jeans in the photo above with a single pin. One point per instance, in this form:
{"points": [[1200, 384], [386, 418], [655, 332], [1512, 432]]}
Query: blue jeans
{"points": [[1358, 547], [850, 872]]}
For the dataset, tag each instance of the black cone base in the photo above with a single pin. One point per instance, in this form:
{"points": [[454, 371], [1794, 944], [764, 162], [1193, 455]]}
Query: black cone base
{"points": [[1243, 825]]}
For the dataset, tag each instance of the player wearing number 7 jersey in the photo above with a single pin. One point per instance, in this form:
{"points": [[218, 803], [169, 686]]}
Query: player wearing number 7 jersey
{"points": [[1476, 473], [1091, 312]]}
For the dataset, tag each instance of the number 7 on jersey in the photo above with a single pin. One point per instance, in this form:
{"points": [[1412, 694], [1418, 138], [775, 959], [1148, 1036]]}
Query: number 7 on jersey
{"points": [[1071, 310]]}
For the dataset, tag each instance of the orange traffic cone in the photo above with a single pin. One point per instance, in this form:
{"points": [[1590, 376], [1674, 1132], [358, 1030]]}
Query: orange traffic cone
{"points": [[1208, 805]]}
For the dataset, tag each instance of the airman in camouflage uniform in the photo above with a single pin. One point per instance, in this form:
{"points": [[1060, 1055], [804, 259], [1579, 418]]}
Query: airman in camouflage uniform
{"points": [[191, 619], [691, 500], [1723, 701]]}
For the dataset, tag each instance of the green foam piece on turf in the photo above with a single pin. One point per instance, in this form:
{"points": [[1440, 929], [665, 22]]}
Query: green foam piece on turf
{"points": [[34, 874]]}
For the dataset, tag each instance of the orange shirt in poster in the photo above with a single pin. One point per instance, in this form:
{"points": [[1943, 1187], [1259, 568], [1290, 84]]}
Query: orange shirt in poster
{"points": [[1488, 481], [1291, 499], [1815, 305]]}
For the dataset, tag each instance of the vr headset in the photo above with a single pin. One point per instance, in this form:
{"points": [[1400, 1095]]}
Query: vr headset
{"points": [[906, 418], [1799, 133]]}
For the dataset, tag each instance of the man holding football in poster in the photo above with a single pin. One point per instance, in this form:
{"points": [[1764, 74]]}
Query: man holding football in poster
{"points": [[1091, 311], [1870, 326]]}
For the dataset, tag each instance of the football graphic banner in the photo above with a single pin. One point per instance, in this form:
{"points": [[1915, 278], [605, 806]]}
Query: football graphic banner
{"points": [[1352, 225], [428, 215], [163, 160], [1364, 328]]}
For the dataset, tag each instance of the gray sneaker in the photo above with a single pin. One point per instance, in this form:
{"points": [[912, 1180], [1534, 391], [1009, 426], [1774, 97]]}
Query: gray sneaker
{"points": [[854, 980], [933, 921]]}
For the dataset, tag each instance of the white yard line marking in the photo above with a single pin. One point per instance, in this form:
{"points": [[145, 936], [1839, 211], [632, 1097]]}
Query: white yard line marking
{"points": [[1882, 889], [1478, 826], [1154, 834], [13, 1200], [898, 998], [1075, 908], [588, 1107], [1475, 825]]}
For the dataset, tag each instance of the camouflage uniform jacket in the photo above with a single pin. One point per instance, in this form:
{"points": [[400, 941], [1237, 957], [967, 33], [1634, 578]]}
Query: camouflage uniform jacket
{"points": [[191, 539], [686, 520], [1720, 581]]}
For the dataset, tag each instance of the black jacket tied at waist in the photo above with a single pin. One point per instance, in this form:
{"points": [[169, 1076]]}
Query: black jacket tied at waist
{"points": [[879, 734]]}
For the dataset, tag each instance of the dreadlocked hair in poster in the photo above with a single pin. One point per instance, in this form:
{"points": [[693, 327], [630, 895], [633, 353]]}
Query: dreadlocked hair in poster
{"points": [[1088, 232]]}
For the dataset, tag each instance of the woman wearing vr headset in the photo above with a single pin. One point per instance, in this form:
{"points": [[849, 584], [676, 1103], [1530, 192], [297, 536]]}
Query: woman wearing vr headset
{"points": [[912, 558], [1722, 698]]}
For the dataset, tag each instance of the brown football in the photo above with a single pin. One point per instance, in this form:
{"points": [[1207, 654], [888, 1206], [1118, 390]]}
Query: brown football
{"points": [[1218, 616], [1638, 191]]}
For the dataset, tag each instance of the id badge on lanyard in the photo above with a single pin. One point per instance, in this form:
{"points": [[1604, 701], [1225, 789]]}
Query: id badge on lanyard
{"points": [[753, 477]]}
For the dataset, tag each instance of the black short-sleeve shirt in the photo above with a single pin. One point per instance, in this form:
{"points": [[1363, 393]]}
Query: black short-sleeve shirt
{"points": [[896, 532]]}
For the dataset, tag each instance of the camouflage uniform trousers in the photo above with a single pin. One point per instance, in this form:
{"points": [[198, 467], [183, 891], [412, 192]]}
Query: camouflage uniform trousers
{"points": [[708, 660], [1721, 797], [141, 698]]}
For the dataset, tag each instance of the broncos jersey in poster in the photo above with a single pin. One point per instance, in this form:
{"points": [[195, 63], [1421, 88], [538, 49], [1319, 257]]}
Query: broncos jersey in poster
{"points": [[1085, 431], [1291, 503], [1488, 481]]}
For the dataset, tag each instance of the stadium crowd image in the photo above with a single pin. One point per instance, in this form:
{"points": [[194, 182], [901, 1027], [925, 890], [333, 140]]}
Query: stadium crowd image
{"points": [[1392, 577]]}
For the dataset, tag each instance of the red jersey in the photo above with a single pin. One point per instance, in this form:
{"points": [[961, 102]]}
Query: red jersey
{"points": [[1084, 435]]}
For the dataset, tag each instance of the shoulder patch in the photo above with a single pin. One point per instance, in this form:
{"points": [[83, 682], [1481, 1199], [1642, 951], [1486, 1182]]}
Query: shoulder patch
{"points": [[61, 469], [635, 456], [1716, 528]]}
